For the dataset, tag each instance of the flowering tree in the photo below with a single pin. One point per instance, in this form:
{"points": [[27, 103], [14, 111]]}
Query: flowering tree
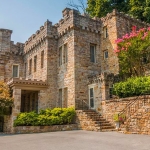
{"points": [[5, 100], [133, 52]]}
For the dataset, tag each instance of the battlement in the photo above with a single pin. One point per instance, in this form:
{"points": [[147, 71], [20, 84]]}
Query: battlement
{"points": [[6, 31], [73, 19], [123, 15], [43, 28]]}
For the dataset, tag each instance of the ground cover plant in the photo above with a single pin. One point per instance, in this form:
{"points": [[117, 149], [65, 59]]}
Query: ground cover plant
{"points": [[47, 117]]}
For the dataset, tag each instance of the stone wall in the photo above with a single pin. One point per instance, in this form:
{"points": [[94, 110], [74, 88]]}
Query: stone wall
{"points": [[40, 129], [137, 114]]}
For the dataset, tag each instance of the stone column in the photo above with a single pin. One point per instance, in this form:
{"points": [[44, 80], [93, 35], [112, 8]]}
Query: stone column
{"points": [[17, 106]]}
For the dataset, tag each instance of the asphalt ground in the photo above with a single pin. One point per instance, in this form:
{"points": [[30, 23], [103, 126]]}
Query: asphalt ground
{"points": [[75, 140]]}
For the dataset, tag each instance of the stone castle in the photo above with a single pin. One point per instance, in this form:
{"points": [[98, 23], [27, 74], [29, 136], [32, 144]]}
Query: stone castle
{"points": [[61, 65]]}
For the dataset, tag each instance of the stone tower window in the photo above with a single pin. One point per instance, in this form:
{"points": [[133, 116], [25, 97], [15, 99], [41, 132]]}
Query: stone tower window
{"points": [[93, 53], [105, 54], [60, 56], [60, 98], [15, 71], [30, 66], [105, 31], [35, 63], [42, 59], [25, 69], [65, 54]]}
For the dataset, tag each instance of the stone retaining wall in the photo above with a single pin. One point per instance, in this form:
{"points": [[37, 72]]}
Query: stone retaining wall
{"points": [[40, 129], [138, 118]]}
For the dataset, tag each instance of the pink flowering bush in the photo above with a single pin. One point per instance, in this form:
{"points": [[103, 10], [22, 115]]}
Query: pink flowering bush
{"points": [[131, 50]]}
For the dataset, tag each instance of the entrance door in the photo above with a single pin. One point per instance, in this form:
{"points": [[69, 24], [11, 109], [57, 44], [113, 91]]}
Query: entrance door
{"points": [[1, 123], [91, 98]]}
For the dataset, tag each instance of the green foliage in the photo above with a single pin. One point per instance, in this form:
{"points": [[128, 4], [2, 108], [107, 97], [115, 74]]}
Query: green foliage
{"points": [[137, 8], [5, 100], [140, 9], [132, 87], [100, 8], [46, 117], [132, 49]]}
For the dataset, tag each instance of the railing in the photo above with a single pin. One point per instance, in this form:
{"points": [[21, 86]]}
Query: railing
{"points": [[83, 105], [132, 107]]}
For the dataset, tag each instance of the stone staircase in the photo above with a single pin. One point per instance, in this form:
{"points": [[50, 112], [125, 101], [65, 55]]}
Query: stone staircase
{"points": [[92, 121]]}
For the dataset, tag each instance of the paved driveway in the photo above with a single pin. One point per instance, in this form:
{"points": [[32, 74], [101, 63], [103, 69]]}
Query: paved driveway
{"points": [[75, 140]]}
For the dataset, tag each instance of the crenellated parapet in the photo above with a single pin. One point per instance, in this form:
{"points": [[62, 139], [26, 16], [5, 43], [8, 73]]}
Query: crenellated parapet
{"points": [[47, 30], [72, 19], [124, 16]]}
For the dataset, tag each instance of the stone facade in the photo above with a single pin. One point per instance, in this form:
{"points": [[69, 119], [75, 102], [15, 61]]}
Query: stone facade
{"points": [[64, 57]]}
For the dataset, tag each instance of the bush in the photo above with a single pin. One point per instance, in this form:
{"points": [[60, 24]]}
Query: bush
{"points": [[56, 116], [132, 87]]}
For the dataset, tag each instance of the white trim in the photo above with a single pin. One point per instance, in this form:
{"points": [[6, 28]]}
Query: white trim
{"points": [[18, 70]]}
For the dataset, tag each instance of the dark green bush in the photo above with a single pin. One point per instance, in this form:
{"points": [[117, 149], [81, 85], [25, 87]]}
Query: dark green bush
{"points": [[132, 87], [46, 117]]}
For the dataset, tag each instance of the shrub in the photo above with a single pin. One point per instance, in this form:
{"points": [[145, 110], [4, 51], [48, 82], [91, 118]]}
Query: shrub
{"points": [[46, 117], [132, 87]]}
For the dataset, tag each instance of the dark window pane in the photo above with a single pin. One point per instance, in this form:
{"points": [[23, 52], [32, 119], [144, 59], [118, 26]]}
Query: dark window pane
{"points": [[92, 53]]}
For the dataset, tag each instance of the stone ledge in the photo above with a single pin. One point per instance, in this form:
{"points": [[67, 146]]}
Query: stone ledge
{"points": [[40, 129]]}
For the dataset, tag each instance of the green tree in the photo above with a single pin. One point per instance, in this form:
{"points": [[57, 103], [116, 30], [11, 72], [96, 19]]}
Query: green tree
{"points": [[140, 9], [100, 8], [5, 99]]}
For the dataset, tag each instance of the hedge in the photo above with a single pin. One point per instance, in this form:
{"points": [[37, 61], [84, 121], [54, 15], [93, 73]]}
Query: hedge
{"points": [[56, 116], [132, 87]]}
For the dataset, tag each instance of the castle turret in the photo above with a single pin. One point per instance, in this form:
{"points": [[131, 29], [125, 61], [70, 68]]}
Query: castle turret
{"points": [[5, 38]]}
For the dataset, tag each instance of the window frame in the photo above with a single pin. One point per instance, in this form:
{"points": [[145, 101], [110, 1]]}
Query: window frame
{"points": [[94, 45], [60, 55], [42, 59], [105, 32], [35, 63], [30, 66], [105, 58], [13, 70]]}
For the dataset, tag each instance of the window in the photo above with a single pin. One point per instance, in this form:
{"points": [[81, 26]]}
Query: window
{"points": [[105, 30], [60, 98], [30, 66], [93, 53], [65, 98], [15, 71], [35, 63], [42, 59], [60, 56], [106, 54], [91, 96], [65, 54], [25, 69]]}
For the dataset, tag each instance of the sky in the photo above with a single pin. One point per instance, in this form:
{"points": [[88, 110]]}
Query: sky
{"points": [[25, 17]]}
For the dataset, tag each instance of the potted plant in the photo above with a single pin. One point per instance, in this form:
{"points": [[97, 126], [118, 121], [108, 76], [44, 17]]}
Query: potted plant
{"points": [[118, 118]]}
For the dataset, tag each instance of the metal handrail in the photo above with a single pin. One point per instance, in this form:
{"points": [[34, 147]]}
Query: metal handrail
{"points": [[128, 107]]}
